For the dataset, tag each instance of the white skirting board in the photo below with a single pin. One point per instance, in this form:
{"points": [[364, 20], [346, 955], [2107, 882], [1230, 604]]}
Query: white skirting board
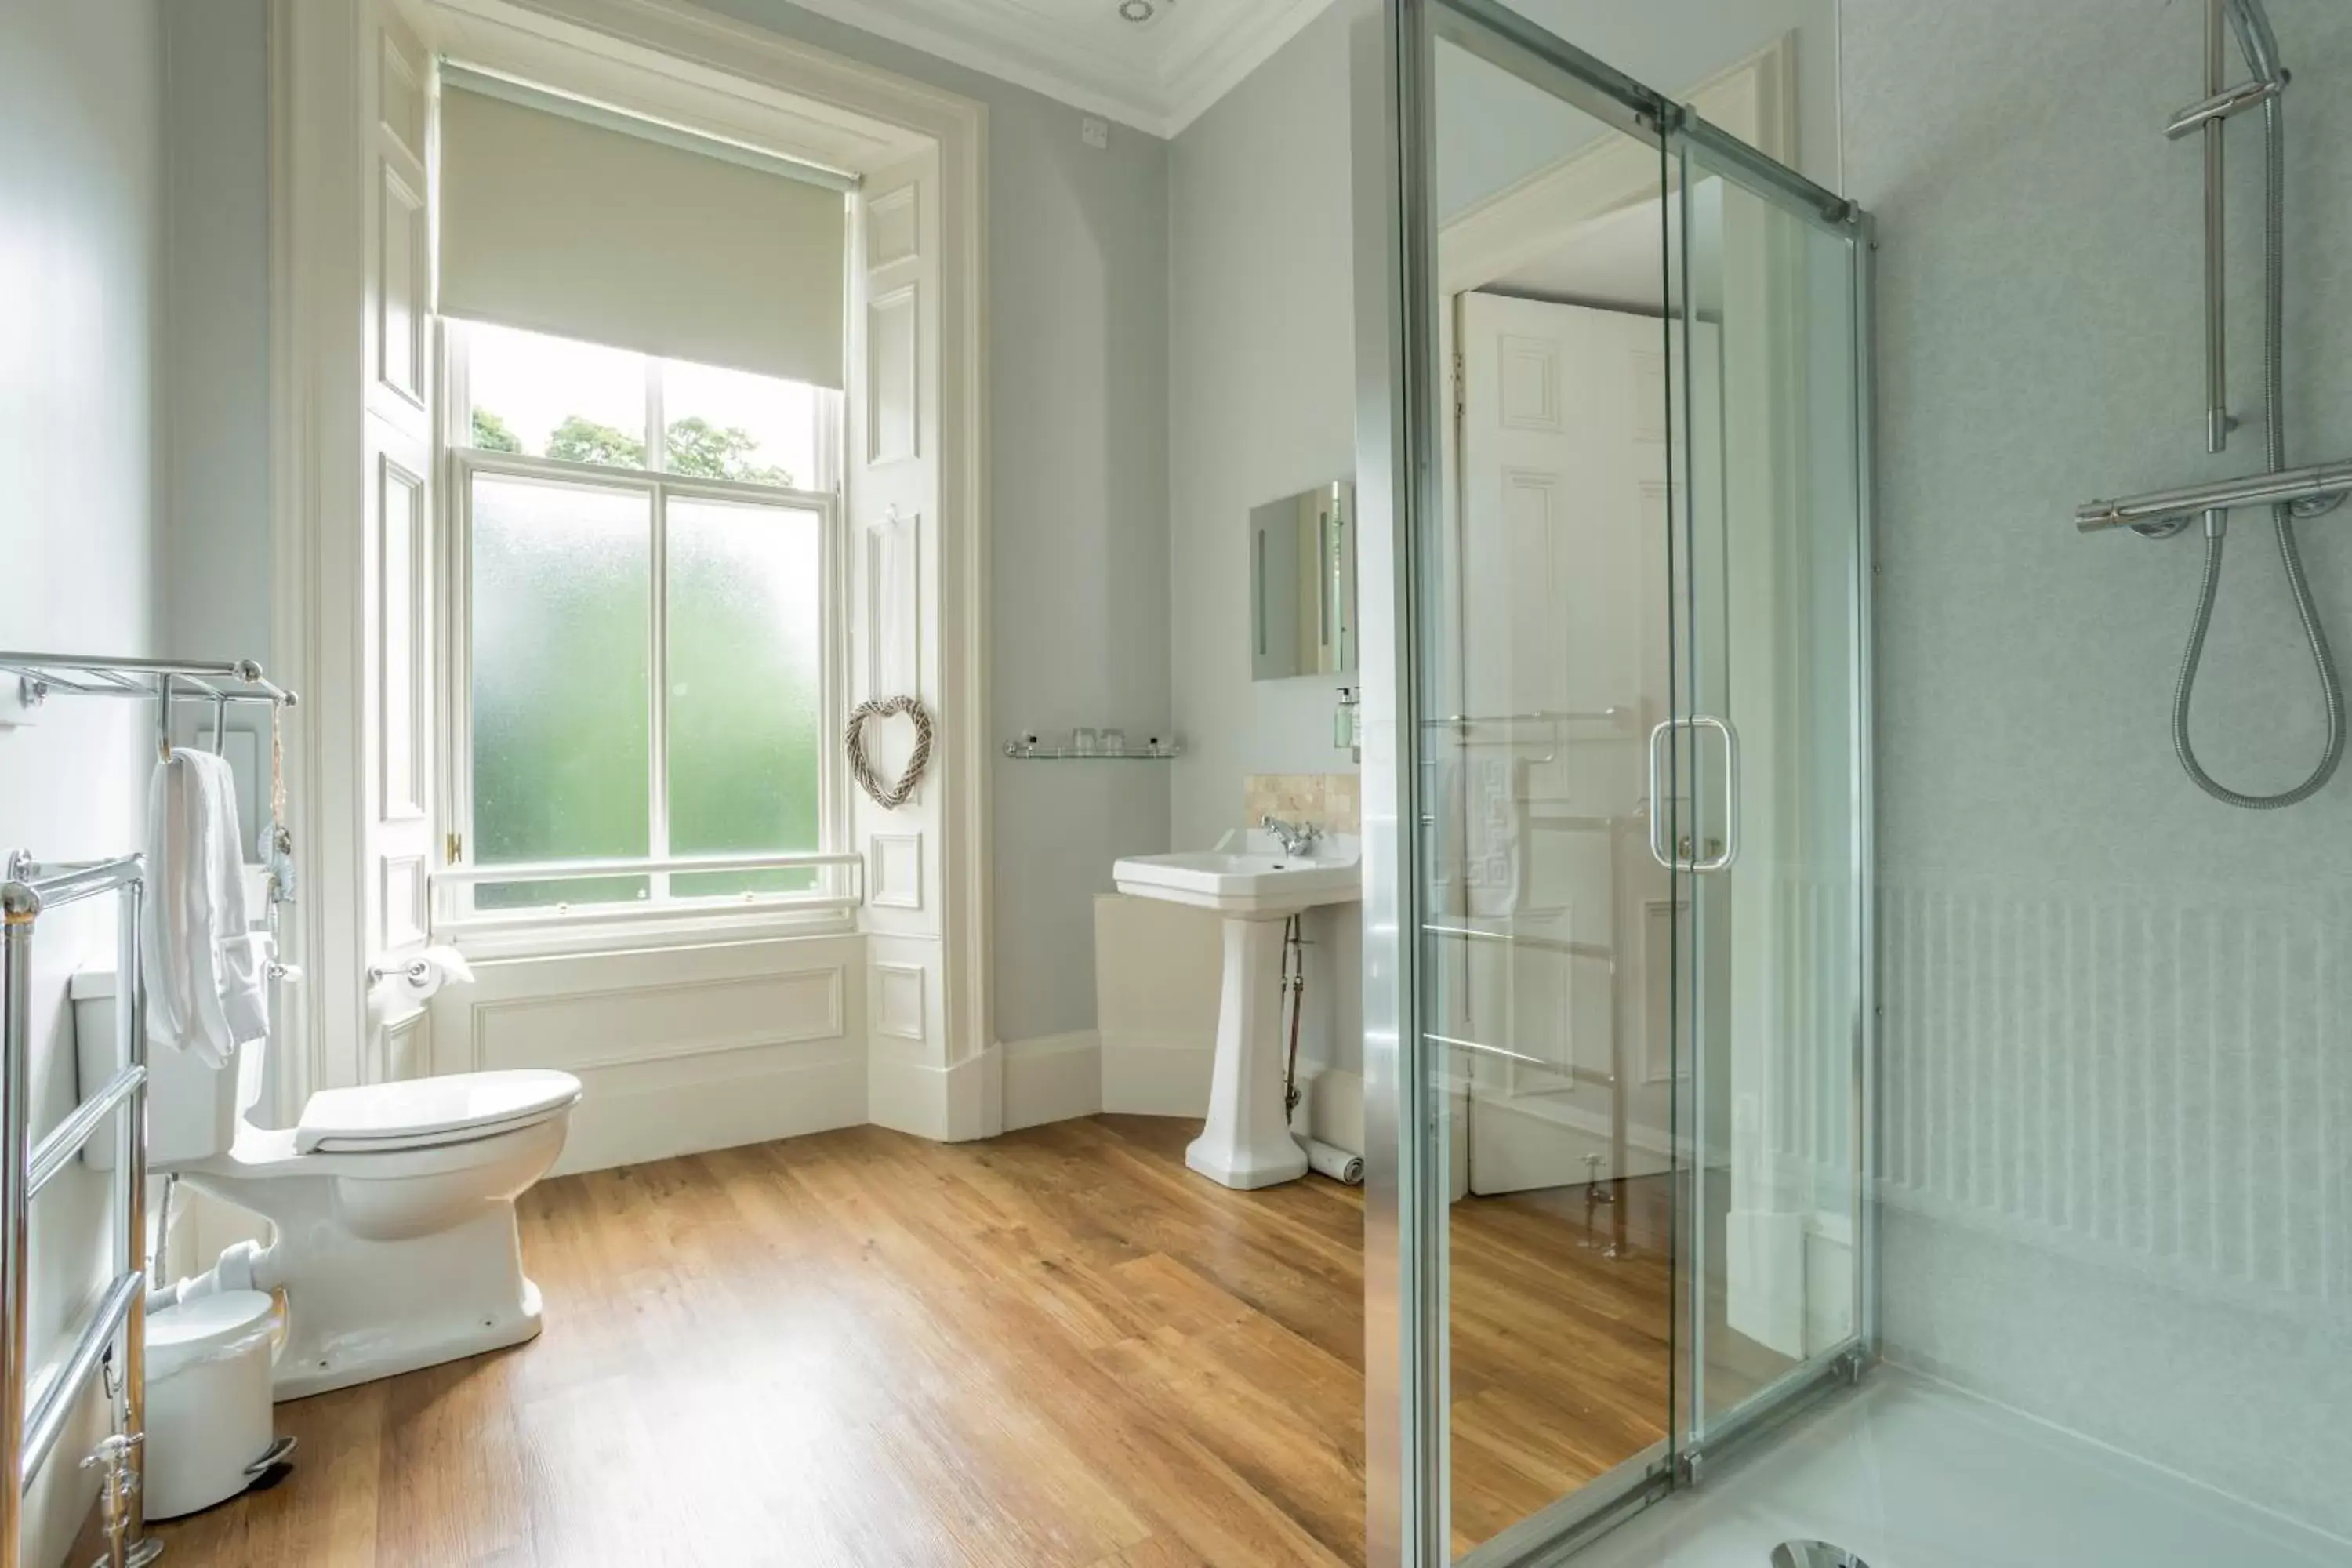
{"points": [[1052, 1079], [758, 1106], [1156, 1073], [948, 1104], [1332, 1109]]}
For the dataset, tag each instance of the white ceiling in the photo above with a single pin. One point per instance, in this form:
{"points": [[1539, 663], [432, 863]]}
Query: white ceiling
{"points": [[1617, 261], [1157, 76]]}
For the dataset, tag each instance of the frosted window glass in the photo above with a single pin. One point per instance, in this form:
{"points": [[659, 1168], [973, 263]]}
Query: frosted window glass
{"points": [[746, 688], [562, 590]]}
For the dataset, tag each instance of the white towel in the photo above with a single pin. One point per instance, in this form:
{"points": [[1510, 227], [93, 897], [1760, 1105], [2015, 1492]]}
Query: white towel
{"points": [[208, 984], [1496, 838]]}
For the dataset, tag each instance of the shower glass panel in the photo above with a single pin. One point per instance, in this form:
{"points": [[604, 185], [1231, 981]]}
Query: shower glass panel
{"points": [[1547, 928], [1613, 459], [1767, 752]]}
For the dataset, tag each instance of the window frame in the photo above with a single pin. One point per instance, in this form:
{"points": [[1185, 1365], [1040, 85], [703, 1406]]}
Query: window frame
{"points": [[659, 920]]}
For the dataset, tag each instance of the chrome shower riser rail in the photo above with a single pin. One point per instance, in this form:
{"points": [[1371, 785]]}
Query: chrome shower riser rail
{"points": [[2290, 487], [2289, 494], [28, 1436]]}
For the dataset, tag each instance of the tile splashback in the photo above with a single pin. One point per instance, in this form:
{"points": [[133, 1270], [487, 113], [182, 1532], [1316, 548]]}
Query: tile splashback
{"points": [[1329, 801]]}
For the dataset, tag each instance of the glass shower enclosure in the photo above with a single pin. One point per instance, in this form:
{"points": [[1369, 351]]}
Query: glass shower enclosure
{"points": [[1612, 365]]}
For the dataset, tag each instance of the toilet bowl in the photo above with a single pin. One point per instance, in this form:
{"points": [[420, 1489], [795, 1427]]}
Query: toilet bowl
{"points": [[391, 1204]]}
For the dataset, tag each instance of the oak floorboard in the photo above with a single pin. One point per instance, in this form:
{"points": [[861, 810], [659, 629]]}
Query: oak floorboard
{"points": [[1058, 1349]]}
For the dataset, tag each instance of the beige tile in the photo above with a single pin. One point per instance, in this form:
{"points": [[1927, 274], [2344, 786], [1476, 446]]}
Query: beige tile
{"points": [[1329, 801]]}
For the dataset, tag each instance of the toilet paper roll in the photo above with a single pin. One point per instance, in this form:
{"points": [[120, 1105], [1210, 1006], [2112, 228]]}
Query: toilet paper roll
{"points": [[420, 976], [1330, 1160]]}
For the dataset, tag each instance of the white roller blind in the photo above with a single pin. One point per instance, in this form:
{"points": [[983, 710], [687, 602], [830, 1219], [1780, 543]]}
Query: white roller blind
{"points": [[556, 226]]}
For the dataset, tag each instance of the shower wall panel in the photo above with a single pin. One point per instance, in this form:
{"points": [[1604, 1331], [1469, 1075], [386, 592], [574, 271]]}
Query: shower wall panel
{"points": [[2116, 1152]]}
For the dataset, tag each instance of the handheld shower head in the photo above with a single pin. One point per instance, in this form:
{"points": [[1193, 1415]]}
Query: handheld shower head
{"points": [[2251, 24], [2266, 79]]}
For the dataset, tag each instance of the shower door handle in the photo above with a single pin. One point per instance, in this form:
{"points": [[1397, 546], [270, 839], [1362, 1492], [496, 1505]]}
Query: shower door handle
{"points": [[1722, 859], [1724, 851], [1658, 849]]}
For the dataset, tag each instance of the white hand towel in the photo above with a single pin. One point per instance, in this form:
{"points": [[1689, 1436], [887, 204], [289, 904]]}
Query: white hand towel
{"points": [[1497, 836], [195, 910], [245, 984]]}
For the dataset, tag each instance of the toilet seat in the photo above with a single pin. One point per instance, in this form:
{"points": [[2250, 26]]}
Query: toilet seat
{"points": [[431, 1113]]}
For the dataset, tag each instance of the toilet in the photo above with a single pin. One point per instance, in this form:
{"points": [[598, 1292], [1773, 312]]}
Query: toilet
{"points": [[391, 1204]]}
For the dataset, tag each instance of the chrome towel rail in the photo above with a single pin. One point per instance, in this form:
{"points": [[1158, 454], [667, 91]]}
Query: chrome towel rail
{"points": [[114, 1331], [220, 682], [46, 1423]]}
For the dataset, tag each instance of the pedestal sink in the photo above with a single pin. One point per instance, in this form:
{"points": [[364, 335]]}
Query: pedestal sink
{"points": [[1256, 886]]}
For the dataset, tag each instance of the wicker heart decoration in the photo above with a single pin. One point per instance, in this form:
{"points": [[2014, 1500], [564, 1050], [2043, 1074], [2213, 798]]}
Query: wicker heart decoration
{"points": [[862, 769]]}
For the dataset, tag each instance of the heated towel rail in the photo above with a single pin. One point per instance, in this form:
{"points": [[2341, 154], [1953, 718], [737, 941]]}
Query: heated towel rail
{"points": [[112, 1337]]}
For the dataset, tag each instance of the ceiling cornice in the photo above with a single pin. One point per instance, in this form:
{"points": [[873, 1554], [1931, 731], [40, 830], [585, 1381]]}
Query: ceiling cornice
{"points": [[1223, 55], [1198, 51]]}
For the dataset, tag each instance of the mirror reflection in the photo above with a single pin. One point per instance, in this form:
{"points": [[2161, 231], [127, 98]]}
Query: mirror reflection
{"points": [[1303, 583]]}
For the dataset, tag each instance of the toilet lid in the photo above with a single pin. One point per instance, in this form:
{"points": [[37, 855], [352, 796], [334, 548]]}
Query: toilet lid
{"points": [[190, 1332], [422, 1112]]}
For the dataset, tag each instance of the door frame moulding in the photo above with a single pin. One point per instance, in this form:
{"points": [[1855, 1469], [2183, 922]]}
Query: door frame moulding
{"points": [[665, 58]]}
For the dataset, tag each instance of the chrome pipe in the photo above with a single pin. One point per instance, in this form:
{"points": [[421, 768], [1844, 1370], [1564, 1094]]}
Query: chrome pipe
{"points": [[115, 670], [1615, 715], [130, 1167], [47, 1422], [2217, 292], [72, 884], [64, 1141], [2283, 488], [20, 907], [1594, 950]]}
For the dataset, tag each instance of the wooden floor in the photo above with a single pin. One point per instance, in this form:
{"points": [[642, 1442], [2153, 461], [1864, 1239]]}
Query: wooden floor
{"points": [[1058, 1347]]}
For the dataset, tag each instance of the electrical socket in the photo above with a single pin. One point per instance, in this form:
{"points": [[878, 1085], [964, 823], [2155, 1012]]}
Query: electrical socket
{"points": [[1094, 132]]}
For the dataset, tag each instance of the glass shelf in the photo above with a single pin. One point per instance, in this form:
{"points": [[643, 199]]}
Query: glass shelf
{"points": [[1020, 753]]}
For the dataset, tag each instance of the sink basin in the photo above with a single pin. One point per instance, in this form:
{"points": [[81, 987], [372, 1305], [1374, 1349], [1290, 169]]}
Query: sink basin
{"points": [[1245, 1141], [1252, 880]]}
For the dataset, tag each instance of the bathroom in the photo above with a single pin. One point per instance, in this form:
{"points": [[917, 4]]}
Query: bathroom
{"points": [[914, 1183]]}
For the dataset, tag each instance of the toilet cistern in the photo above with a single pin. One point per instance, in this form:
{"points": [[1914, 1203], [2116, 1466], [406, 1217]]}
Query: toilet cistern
{"points": [[1278, 871]]}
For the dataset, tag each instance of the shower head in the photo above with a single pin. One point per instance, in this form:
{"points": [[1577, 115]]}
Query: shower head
{"points": [[2252, 23], [2266, 78]]}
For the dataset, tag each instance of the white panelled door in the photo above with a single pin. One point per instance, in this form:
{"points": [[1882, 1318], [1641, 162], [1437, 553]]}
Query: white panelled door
{"points": [[1567, 923], [351, 113], [896, 553], [395, 551]]}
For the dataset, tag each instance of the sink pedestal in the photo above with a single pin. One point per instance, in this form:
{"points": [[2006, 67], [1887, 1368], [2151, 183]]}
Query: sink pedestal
{"points": [[1247, 1141]]}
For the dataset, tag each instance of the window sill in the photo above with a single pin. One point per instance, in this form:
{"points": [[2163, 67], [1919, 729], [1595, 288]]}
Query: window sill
{"points": [[583, 934]]}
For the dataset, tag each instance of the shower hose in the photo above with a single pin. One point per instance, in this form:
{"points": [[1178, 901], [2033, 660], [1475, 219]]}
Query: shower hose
{"points": [[2283, 518]]}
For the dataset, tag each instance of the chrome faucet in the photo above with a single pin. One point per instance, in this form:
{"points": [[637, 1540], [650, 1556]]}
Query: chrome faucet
{"points": [[1296, 837]]}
